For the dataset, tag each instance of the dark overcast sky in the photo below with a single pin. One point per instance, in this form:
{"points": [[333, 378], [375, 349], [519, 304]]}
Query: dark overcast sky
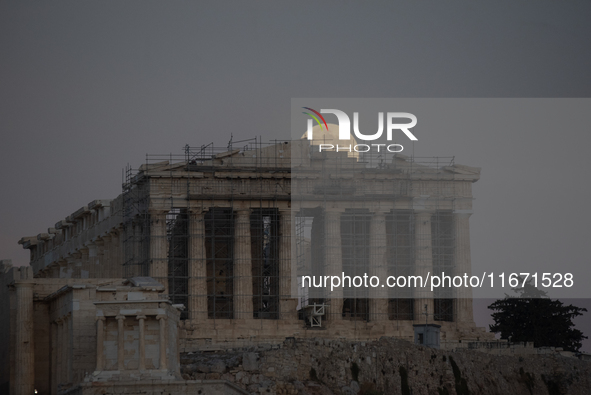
{"points": [[86, 88]]}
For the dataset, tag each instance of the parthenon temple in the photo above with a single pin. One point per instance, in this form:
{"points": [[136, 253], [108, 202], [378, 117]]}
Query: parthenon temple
{"points": [[207, 249]]}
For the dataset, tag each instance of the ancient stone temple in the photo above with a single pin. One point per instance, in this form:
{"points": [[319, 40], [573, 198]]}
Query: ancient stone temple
{"points": [[206, 250]]}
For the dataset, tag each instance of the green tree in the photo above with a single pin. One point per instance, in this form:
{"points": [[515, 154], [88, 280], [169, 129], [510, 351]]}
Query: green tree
{"points": [[532, 316]]}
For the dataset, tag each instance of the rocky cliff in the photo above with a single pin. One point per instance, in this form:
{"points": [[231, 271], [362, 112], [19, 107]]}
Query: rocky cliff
{"points": [[387, 366]]}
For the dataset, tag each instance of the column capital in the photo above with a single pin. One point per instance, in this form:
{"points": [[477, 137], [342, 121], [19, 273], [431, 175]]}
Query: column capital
{"points": [[158, 211], [463, 213], [333, 214], [335, 210], [285, 215], [24, 285], [101, 318], [119, 317], [197, 210], [140, 317], [424, 212], [161, 317], [423, 215]]}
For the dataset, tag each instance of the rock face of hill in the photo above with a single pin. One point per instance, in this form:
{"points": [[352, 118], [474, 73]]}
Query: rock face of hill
{"points": [[387, 366]]}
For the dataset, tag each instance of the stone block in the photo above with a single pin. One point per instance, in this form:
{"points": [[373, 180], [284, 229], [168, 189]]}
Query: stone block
{"points": [[250, 361], [217, 366]]}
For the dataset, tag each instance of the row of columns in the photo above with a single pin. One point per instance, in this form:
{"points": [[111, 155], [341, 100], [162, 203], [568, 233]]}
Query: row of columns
{"points": [[100, 339], [242, 256], [423, 263], [243, 306], [100, 258]]}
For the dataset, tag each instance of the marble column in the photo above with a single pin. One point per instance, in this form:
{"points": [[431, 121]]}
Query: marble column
{"points": [[61, 351], [142, 342], [68, 265], [163, 361], [77, 263], [116, 256], [197, 266], [84, 262], [101, 264], [378, 303], [287, 304], [24, 347], [54, 356], [70, 347], [243, 308], [423, 264], [93, 260], [159, 247], [100, 338], [334, 261], [464, 313], [66, 363], [120, 342], [105, 253], [64, 267], [138, 249]]}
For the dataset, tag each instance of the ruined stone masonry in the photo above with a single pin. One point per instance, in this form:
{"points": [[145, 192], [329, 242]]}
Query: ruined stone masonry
{"points": [[388, 366], [205, 251]]}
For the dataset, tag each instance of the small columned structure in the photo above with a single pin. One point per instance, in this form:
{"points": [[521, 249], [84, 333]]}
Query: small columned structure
{"points": [[137, 333]]}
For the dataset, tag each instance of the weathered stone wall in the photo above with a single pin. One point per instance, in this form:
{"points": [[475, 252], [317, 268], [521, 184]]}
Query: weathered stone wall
{"points": [[157, 387], [387, 366]]}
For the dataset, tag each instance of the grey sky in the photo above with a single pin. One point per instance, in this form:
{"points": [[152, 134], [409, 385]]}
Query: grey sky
{"points": [[86, 88]]}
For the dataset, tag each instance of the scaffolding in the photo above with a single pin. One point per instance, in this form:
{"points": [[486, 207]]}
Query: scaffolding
{"points": [[265, 180], [209, 178]]}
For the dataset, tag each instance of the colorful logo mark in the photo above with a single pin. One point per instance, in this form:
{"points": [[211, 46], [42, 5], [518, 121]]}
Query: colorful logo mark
{"points": [[315, 118]]}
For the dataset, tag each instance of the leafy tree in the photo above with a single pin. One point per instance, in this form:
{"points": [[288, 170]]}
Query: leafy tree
{"points": [[532, 316]]}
